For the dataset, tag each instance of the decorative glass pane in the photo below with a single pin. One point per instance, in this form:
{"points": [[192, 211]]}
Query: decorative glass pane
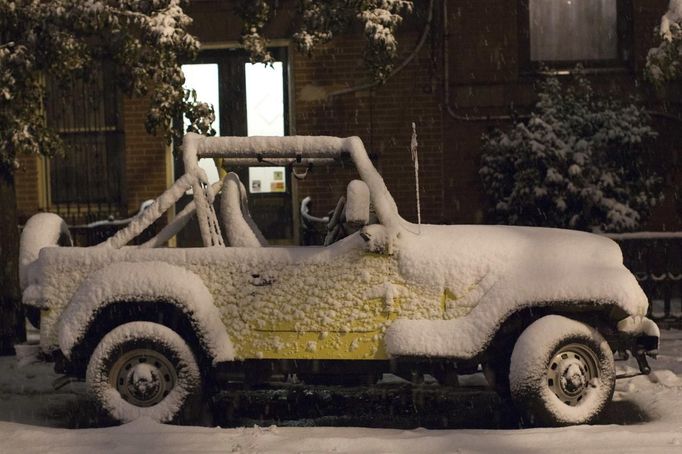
{"points": [[265, 117], [264, 99], [571, 30], [203, 79]]}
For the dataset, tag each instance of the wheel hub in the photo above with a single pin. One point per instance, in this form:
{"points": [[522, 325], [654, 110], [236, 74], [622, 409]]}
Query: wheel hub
{"points": [[143, 377], [571, 372], [143, 381]]}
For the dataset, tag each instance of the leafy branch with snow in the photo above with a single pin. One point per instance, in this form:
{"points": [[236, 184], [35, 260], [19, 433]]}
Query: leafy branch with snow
{"points": [[321, 21], [66, 39], [581, 161], [663, 61]]}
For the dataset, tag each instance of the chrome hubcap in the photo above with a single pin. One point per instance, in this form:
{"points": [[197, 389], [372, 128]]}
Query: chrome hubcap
{"points": [[143, 377], [572, 372]]}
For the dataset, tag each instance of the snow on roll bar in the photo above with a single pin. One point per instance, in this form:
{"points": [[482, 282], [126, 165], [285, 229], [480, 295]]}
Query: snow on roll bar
{"points": [[195, 147], [254, 151]]}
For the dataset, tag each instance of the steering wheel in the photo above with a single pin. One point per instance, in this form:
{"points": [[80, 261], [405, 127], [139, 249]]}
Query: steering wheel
{"points": [[335, 225]]}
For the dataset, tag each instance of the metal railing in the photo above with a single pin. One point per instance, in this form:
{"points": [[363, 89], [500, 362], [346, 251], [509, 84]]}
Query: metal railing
{"points": [[98, 231], [655, 258]]}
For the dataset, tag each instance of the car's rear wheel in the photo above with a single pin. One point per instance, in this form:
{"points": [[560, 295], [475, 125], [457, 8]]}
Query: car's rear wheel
{"points": [[143, 369], [562, 372]]}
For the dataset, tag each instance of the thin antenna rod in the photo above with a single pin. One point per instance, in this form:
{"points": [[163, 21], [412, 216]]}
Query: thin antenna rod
{"points": [[415, 160]]}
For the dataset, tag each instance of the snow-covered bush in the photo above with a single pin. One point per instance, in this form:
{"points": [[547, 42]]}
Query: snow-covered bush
{"points": [[581, 161], [663, 61], [321, 21]]}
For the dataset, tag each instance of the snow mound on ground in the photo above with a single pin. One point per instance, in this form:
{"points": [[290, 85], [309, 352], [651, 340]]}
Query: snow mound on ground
{"points": [[665, 377], [27, 354]]}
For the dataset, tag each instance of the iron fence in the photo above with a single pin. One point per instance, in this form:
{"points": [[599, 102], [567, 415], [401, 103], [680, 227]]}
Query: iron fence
{"points": [[86, 183], [656, 260], [93, 233]]}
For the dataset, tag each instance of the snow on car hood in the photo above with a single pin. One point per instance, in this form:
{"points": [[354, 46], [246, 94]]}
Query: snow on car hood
{"points": [[495, 270]]}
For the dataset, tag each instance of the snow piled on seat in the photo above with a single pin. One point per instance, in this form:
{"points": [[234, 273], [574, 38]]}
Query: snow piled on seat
{"points": [[196, 146], [235, 215]]}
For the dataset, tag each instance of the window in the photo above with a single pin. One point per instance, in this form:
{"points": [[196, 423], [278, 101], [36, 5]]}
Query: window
{"points": [[265, 117], [203, 79], [567, 32], [267, 179], [264, 97], [250, 100], [87, 179]]}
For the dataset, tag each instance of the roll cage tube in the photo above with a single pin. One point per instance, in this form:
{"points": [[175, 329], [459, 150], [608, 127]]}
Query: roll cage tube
{"points": [[296, 148], [309, 149]]}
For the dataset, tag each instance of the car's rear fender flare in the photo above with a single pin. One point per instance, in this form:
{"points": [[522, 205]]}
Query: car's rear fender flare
{"points": [[143, 282]]}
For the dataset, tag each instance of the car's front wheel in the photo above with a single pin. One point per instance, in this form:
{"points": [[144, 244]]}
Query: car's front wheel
{"points": [[562, 372], [143, 369]]}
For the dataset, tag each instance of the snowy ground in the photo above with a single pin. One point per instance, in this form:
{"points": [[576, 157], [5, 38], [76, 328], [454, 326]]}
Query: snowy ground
{"points": [[33, 417]]}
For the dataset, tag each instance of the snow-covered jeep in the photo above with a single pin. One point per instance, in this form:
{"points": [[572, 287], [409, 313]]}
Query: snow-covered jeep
{"points": [[542, 311]]}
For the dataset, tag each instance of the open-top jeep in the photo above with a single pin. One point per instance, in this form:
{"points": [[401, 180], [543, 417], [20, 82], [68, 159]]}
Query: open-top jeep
{"points": [[541, 310]]}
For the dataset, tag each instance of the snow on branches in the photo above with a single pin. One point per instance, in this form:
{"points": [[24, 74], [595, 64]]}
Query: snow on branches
{"points": [[65, 39], [380, 19], [663, 61], [321, 21], [580, 162], [254, 14]]}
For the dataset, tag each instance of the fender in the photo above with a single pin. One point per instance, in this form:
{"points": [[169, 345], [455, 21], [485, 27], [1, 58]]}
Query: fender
{"points": [[145, 281]]}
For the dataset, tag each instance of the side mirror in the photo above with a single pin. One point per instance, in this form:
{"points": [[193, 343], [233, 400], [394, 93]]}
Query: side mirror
{"points": [[357, 203]]}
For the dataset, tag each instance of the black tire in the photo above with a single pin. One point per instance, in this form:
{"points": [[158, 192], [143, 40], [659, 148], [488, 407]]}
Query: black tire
{"points": [[562, 372], [33, 315], [496, 366], [143, 369]]}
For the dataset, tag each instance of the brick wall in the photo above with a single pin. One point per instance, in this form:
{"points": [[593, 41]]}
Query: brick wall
{"points": [[382, 117], [144, 166], [27, 191], [486, 76], [145, 156]]}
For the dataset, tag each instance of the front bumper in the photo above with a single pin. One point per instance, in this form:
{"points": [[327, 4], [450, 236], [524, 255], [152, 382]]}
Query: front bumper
{"points": [[643, 331], [640, 336]]}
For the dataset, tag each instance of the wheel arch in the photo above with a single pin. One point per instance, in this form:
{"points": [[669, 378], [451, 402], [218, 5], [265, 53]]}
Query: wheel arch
{"points": [[143, 291], [602, 316], [120, 312], [470, 336]]}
